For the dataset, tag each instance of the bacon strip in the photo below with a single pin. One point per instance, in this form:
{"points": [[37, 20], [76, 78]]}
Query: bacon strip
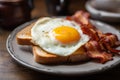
{"points": [[91, 32], [101, 46], [109, 41], [82, 18], [94, 51]]}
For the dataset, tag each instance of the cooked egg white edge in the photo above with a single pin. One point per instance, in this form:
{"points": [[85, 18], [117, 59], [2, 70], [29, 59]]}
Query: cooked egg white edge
{"points": [[62, 51]]}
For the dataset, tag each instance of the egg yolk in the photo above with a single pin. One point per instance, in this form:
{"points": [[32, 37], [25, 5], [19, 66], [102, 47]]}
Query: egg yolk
{"points": [[66, 34]]}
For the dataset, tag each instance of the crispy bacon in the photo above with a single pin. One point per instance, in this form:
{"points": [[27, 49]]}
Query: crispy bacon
{"points": [[91, 32], [94, 51], [81, 18], [101, 46], [110, 41]]}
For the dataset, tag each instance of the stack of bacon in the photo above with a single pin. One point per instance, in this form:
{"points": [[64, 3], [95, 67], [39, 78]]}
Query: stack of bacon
{"points": [[101, 47]]}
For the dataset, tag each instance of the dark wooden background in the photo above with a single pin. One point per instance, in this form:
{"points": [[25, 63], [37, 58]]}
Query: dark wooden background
{"points": [[11, 70]]}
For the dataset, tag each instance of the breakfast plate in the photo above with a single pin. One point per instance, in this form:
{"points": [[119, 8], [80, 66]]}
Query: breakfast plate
{"points": [[23, 55]]}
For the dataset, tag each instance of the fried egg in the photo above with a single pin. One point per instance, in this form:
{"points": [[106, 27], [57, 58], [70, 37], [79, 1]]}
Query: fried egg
{"points": [[58, 36]]}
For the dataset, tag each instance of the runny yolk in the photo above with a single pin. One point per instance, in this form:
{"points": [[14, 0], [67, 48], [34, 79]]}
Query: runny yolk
{"points": [[66, 34]]}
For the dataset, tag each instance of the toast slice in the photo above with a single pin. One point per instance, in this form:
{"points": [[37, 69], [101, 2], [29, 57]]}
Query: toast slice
{"points": [[23, 37], [44, 57]]}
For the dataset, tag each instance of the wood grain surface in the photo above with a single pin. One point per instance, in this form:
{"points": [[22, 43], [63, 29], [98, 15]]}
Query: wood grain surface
{"points": [[11, 70]]}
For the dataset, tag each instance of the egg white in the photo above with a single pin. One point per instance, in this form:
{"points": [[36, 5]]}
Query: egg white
{"points": [[43, 37]]}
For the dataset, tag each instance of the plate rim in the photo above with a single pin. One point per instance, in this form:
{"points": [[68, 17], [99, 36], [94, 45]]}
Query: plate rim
{"points": [[49, 71]]}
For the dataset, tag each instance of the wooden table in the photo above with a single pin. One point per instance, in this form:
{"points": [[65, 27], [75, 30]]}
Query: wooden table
{"points": [[11, 70]]}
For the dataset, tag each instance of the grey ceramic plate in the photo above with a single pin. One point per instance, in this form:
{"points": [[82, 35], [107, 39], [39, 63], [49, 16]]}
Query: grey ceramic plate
{"points": [[23, 55]]}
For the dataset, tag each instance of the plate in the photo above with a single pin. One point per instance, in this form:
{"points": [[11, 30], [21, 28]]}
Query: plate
{"points": [[23, 55]]}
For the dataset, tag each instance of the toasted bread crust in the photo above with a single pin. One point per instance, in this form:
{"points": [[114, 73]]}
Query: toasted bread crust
{"points": [[44, 57], [24, 38]]}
